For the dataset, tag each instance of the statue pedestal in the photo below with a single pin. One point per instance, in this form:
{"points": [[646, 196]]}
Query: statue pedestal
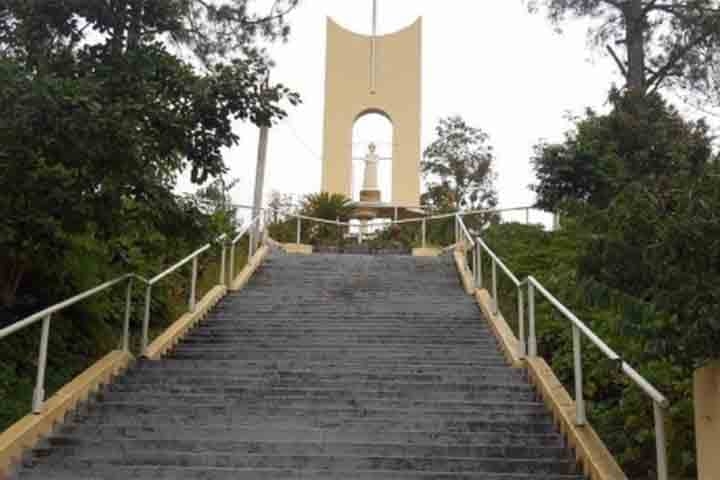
{"points": [[369, 197]]}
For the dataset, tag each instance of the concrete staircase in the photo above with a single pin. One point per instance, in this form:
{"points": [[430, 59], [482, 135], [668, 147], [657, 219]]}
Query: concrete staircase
{"points": [[326, 367]]}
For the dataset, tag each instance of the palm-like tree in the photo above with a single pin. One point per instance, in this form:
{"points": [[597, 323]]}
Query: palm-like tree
{"points": [[328, 206]]}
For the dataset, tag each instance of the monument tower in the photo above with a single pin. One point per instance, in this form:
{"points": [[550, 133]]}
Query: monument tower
{"points": [[374, 74]]}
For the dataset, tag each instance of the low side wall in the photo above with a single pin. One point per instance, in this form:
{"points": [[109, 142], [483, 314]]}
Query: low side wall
{"points": [[170, 337], [597, 461], [297, 249], [466, 276], [706, 392], [591, 452], [426, 252], [25, 433], [508, 341], [247, 272]]}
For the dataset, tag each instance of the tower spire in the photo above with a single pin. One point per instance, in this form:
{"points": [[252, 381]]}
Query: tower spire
{"points": [[373, 48]]}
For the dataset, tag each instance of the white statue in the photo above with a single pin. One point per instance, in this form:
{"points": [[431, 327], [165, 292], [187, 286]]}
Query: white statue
{"points": [[370, 180]]}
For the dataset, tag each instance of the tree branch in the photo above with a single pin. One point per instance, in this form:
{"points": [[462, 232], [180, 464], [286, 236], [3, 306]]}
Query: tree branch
{"points": [[654, 81], [620, 64]]}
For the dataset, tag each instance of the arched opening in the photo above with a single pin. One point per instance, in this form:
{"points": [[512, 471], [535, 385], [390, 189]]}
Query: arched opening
{"points": [[372, 127]]}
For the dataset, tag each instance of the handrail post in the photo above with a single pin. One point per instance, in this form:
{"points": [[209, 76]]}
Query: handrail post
{"points": [[39, 392], [223, 259], [476, 262], [660, 441], [193, 286], [146, 320], [424, 232], [480, 267], [232, 262], [494, 287], [126, 322], [521, 322], [471, 263], [532, 340], [457, 228], [580, 416], [263, 229], [251, 238], [299, 230]]}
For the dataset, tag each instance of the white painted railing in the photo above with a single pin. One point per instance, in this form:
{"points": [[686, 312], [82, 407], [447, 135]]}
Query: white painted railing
{"points": [[579, 330], [46, 314]]}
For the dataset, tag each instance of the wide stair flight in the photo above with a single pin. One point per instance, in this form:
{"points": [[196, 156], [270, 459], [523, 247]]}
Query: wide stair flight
{"points": [[323, 367]]}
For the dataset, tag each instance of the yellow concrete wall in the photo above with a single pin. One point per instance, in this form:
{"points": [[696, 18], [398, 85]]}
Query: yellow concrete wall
{"points": [[398, 96], [29, 430], [707, 420]]}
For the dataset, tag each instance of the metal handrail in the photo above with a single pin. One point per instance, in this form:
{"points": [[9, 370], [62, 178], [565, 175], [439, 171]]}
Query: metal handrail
{"points": [[46, 314], [465, 231], [579, 328], [180, 264], [244, 230], [249, 228], [499, 262], [646, 386], [321, 220], [36, 317]]}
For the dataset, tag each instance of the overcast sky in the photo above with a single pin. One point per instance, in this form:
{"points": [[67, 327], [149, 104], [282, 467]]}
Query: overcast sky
{"points": [[504, 70]]}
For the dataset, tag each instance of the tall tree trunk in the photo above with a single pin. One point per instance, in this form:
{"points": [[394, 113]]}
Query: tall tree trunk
{"points": [[117, 41], [12, 271], [136, 23], [635, 24]]}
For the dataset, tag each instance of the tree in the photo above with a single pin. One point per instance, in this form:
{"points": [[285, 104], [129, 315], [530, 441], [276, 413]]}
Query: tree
{"points": [[641, 139], [98, 111], [329, 206], [667, 42], [458, 168]]}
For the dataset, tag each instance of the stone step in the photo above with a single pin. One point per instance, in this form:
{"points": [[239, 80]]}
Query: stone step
{"points": [[232, 407], [141, 382], [411, 354], [326, 376], [322, 340], [363, 366], [489, 423], [70, 446], [319, 462], [121, 472], [387, 332], [519, 392], [230, 433], [323, 367], [272, 399]]}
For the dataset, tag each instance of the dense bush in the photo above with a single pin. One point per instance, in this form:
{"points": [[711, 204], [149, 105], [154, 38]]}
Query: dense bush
{"points": [[620, 412]]}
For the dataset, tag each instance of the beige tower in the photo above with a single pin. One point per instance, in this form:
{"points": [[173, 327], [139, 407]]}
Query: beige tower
{"points": [[373, 74]]}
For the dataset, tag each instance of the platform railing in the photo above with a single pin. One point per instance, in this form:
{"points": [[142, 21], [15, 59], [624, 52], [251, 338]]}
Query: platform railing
{"points": [[579, 330], [299, 230]]}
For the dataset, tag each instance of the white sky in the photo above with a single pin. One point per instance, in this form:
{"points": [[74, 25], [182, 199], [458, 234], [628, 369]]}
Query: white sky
{"points": [[502, 69]]}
